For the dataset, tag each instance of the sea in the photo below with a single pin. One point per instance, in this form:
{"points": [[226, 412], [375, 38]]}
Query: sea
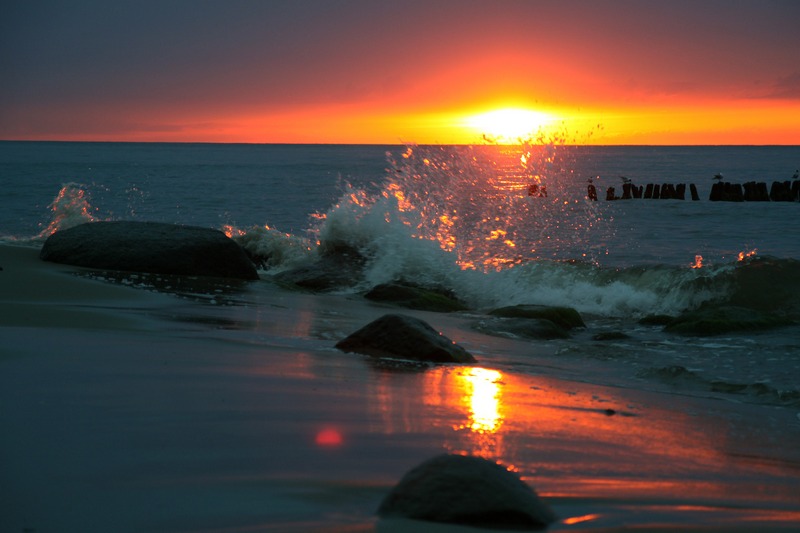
{"points": [[493, 225], [462, 218]]}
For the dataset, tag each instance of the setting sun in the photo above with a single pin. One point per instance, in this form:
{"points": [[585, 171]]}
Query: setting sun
{"points": [[508, 124]]}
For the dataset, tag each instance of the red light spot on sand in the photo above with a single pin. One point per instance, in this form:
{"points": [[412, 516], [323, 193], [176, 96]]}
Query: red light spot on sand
{"points": [[329, 437]]}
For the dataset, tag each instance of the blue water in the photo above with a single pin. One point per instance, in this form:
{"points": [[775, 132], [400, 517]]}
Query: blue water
{"points": [[460, 217], [284, 185]]}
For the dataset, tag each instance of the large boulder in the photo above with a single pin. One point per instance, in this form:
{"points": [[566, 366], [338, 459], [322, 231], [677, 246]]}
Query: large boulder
{"points": [[152, 247], [404, 337], [469, 491]]}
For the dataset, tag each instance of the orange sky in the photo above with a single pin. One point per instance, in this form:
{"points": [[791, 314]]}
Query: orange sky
{"points": [[312, 71]]}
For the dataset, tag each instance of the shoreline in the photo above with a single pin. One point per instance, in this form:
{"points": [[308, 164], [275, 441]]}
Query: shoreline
{"points": [[34, 293], [123, 413]]}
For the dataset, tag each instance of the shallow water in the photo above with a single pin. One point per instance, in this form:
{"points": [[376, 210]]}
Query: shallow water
{"points": [[242, 416]]}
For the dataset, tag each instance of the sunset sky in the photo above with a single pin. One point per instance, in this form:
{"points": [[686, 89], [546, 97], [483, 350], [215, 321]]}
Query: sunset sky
{"points": [[322, 71]]}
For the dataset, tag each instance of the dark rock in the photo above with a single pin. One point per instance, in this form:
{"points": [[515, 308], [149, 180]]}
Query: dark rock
{"points": [[611, 195], [656, 192], [680, 191], [795, 191], [591, 192], [724, 319], [566, 317], [648, 191], [404, 337], [627, 191], [151, 247], [321, 276], [674, 374], [610, 336], [529, 328], [656, 320], [415, 297], [469, 491], [339, 266]]}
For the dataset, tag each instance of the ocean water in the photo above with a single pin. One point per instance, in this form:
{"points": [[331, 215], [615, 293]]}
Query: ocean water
{"points": [[460, 217], [227, 407]]}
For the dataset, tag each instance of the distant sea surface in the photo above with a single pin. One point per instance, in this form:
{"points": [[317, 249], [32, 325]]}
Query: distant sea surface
{"points": [[461, 217]]}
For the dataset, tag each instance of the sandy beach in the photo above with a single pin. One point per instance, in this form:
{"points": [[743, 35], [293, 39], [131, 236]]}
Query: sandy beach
{"points": [[124, 409]]}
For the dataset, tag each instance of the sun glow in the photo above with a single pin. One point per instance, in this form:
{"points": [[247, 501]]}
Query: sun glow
{"points": [[510, 124]]}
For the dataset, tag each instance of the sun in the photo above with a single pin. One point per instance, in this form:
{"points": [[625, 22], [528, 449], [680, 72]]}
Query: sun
{"points": [[509, 124]]}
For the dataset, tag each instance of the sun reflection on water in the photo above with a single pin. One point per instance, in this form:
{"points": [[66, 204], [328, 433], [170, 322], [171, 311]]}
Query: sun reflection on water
{"points": [[481, 399]]}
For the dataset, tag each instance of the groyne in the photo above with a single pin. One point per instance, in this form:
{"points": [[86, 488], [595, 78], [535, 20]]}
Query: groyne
{"points": [[721, 191]]}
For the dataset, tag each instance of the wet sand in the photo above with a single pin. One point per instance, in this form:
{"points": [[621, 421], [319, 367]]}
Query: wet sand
{"points": [[128, 410]]}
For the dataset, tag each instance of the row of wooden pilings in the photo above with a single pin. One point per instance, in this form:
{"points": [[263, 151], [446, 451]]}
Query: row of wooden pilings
{"points": [[667, 191], [780, 191]]}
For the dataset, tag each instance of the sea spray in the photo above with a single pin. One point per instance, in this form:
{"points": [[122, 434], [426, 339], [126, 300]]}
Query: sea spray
{"points": [[472, 200], [459, 218], [272, 249], [70, 207]]}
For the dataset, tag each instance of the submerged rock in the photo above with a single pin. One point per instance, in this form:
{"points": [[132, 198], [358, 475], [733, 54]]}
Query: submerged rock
{"points": [[680, 376], [322, 276], [469, 491], [566, 317], [610, 336], [528, 328], [725, 319], [656, 320], [151, 247], [338, 267], [415, 297], [404, 337]]}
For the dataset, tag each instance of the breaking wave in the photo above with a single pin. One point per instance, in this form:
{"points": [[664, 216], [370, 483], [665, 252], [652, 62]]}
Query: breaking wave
{"points": [[466, 219], [460, 218]]}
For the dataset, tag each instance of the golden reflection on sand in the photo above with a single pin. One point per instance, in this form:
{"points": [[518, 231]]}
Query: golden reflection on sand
{"points": [[568, 441], [481, 398], [478, 391]]}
